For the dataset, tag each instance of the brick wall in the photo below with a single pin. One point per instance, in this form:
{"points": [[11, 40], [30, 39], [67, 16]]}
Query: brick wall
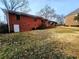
{"points": [[69, 20], [26, 23]]}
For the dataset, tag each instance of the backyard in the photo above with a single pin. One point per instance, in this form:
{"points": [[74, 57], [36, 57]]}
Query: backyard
{"points": [[55, 43]]}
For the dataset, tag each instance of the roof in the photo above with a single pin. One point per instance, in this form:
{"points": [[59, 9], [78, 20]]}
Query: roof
{"points": [[24, 14], [21, 13], [74, 12]]}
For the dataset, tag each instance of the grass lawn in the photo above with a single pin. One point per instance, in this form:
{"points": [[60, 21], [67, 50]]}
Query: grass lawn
{"points": [[61, 42]]}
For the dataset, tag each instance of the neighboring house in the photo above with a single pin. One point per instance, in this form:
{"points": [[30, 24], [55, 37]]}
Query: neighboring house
{"points": [[20, 22], [69, 19]]}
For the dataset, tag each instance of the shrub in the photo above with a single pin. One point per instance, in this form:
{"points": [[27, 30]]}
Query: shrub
{"points": [[42, 26], [3, 28]]}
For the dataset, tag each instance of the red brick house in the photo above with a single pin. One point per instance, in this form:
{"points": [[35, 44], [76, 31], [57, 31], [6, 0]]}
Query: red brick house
{"points": [[20, 22]]}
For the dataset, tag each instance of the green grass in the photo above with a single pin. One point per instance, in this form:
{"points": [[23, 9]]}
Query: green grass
{"points": [[38, 44]]}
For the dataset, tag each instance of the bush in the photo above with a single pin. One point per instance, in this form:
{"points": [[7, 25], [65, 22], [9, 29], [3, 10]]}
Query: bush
{"points": [[42, 26], [3, 28]]}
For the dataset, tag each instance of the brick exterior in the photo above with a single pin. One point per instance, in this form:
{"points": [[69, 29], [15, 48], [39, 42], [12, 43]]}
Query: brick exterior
{"points": [[28, 22], [69, 20]]}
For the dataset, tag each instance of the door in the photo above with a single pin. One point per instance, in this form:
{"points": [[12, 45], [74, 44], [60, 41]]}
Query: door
{"points": [[16, 28]]}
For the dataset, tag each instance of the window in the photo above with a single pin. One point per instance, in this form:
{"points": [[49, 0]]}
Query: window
{"points": [[76, 21], [17, 17], [42, 20], [33, 28], [76, 14], [35, 19]]}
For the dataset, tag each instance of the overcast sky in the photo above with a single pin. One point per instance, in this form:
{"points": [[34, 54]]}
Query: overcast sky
{"points": [[62, 7]]}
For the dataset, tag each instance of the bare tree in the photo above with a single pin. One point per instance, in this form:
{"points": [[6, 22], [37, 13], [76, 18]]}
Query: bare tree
{"points": [[15, 4], [47, 12], [59, 19]]}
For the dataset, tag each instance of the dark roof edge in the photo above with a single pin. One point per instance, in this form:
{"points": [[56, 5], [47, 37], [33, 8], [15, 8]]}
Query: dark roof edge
{"points": [[20, 13]]}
